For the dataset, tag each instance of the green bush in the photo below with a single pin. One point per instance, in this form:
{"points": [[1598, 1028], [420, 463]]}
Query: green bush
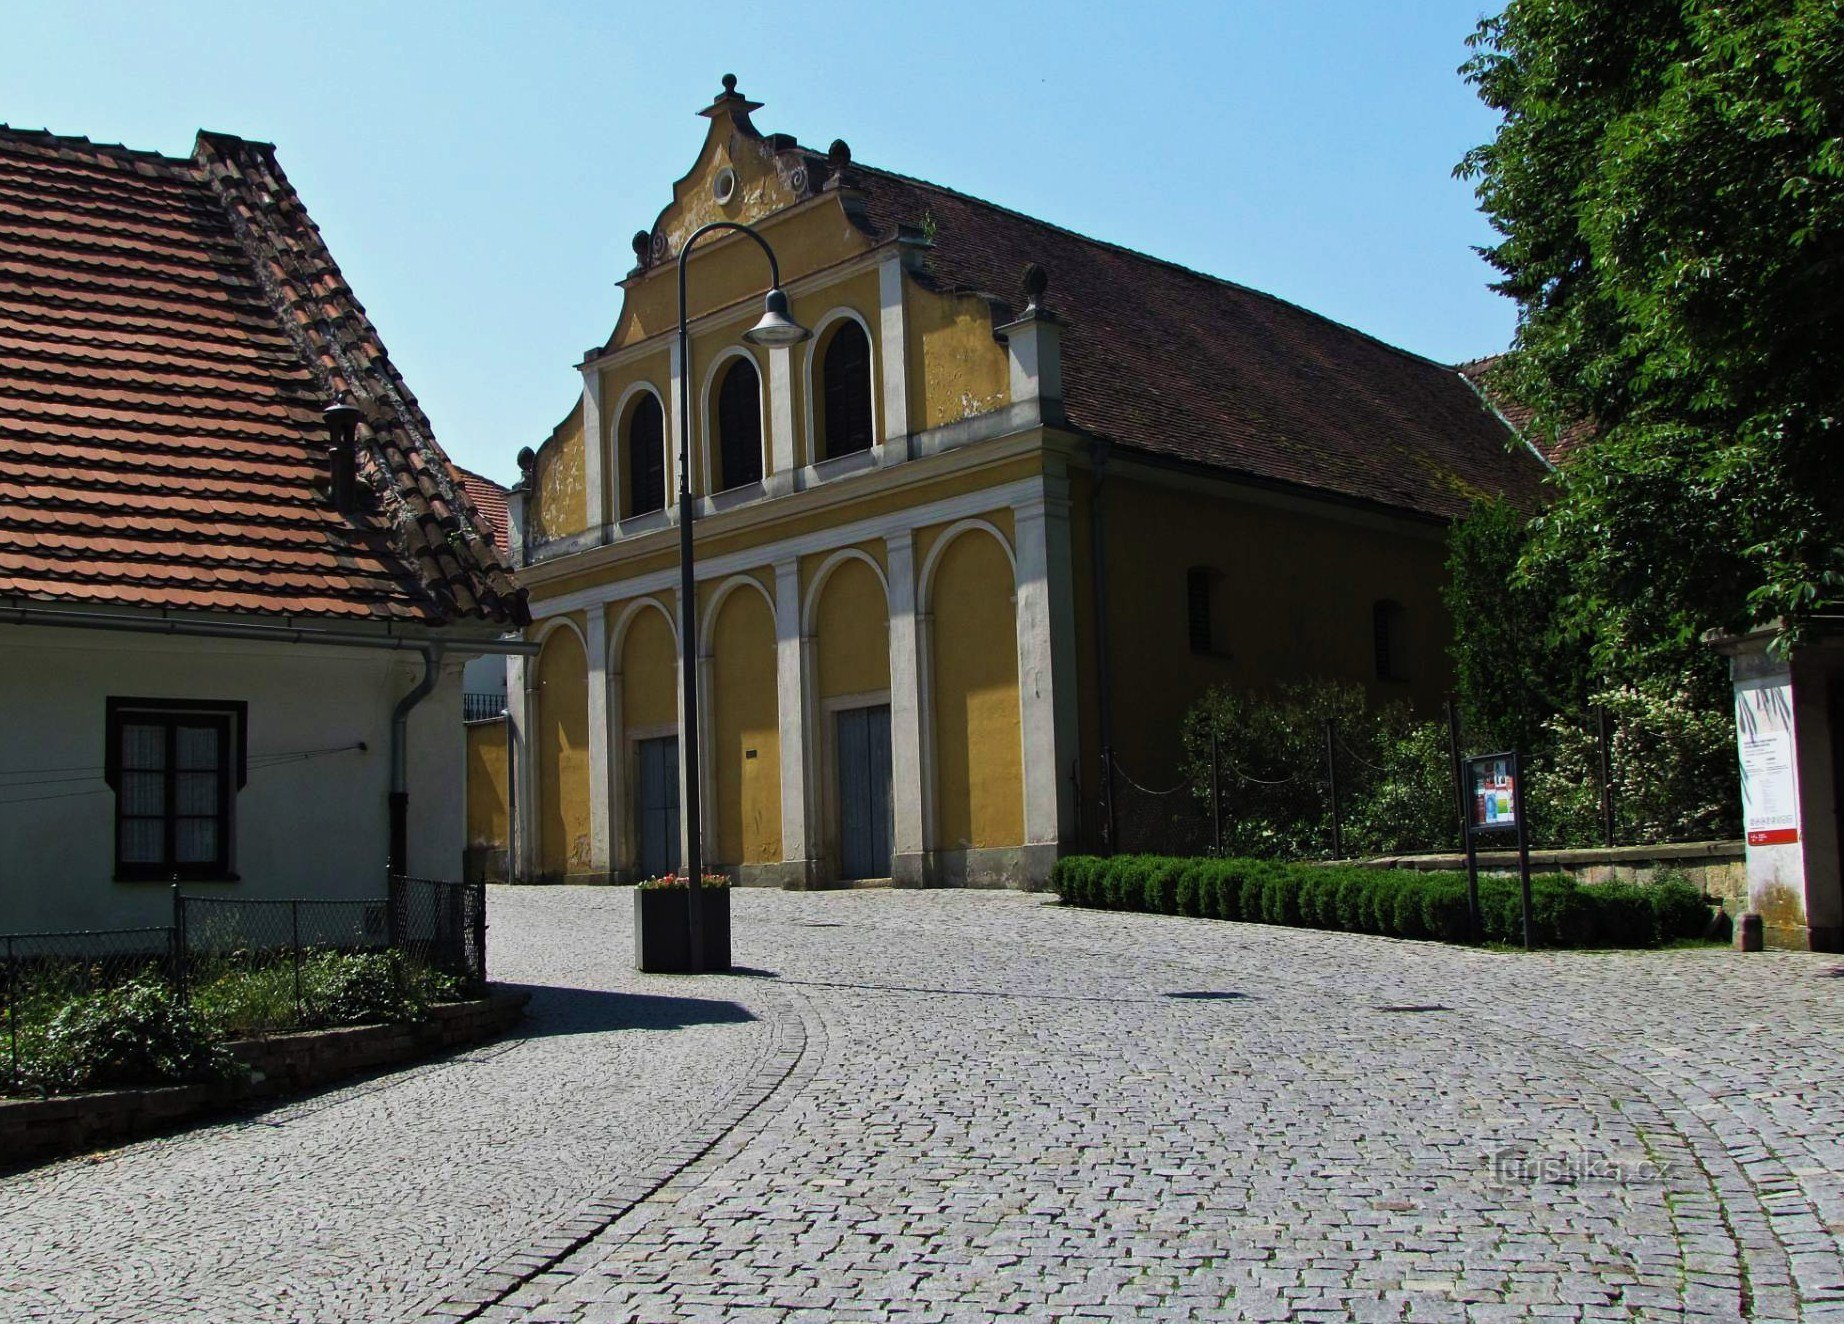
{"points": [[136, 1034], [1396, 903]]}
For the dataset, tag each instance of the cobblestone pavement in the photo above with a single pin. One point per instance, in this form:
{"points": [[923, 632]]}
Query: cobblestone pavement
{"points": [[357, 1204], [1006, 1108], [957, 1105]]}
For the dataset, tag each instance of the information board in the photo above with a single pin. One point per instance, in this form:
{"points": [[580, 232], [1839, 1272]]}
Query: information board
{"points": [[1494, 792], [1770, 791]]}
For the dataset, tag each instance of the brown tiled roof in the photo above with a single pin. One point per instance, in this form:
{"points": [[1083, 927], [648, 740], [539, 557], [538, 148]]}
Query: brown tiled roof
{"points": [[170, 330], [1162, 359], [489, 499], [1555, 446]]}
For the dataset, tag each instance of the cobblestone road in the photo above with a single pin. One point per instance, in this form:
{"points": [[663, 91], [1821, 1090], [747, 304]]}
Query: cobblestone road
{"points": [[961, 1105]]}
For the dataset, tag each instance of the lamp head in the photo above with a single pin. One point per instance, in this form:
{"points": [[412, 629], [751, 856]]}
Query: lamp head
{"points": [[776, 327]]}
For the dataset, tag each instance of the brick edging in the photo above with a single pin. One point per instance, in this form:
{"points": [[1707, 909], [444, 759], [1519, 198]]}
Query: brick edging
{"points": [[491, 1281], [34, 1131]]}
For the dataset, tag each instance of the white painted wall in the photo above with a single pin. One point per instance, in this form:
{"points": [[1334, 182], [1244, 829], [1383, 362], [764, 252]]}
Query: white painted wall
{"points": [[315, 825]]}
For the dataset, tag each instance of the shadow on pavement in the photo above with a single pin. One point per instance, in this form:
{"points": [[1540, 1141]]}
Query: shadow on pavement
{"points": [[556, 1011]]}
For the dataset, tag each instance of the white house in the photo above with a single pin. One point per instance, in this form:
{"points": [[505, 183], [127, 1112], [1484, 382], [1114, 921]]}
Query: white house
{"points": [[239, 579]]}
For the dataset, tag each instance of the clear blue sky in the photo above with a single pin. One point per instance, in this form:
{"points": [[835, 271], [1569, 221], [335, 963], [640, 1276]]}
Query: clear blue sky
{"points": [[478, 169]]}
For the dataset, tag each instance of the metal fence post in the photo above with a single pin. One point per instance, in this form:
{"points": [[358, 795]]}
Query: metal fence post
{"points": [[1331, 782], [1216, 794], [294, 943], [1108, 826], [1605, 732], [12, 1009], [180, 992], [1458, 768], [479, 899]]}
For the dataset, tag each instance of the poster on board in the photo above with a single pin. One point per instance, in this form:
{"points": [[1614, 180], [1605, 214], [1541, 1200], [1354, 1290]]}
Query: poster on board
{"points": [[1494, 793], [1770, 790]]}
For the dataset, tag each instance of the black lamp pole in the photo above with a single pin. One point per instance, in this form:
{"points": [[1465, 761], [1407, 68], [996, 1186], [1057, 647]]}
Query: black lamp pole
{"points": [[775, 328]]}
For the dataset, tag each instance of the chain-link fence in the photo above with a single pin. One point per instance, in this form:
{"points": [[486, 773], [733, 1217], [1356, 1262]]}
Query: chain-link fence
{"points": [[255, 965]]}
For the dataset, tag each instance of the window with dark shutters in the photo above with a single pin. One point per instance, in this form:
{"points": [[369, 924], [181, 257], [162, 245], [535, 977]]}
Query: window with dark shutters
{"points": [[739, 426], [845, 370], [1197, 609], [175, 766], [646, 455], [1387, 635]]}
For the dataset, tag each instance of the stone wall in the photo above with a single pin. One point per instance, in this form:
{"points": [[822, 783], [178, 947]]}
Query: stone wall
{"points": [[1718, 867]]}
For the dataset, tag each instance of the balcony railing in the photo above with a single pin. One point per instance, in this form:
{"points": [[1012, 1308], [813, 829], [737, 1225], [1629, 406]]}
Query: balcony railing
{"points": [[482, 707]]}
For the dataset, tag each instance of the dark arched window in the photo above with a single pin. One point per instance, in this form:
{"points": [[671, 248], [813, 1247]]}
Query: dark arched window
{"points": [[646, 455], [1391, 646], [739, 426], [845, 372]]}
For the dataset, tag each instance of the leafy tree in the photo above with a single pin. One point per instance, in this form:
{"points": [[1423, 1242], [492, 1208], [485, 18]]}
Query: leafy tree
{"points": [[1514, 668], [1668, 180]]}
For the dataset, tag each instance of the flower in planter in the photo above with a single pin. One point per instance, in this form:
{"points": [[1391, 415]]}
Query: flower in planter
{"points": [[673, 880]]}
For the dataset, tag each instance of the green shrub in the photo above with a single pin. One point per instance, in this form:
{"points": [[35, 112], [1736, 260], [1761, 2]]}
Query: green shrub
{"points": [[136, 1034], [1396, 903]]}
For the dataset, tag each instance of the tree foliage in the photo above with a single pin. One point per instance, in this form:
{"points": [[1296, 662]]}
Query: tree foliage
{"points": [[1668, 182]]}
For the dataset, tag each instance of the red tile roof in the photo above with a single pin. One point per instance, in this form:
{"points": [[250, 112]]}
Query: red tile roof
{"points": [[1520, 416], [170, 330], [1162, 359], [490, 500]]}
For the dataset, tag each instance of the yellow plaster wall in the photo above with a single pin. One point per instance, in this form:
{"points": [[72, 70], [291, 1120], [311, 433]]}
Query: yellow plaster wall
{"points": [[649, 671], [486, 784], [732, 271], [852, 625], [961, 369], [560, 506], [979, 755], [745, 735], [1293, 602], [563, 756]]}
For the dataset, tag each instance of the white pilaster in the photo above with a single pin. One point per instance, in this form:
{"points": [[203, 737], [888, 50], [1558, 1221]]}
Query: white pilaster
{"points": [[673, 426], [893, 358], [521, 678], [1046, 667], [791, 704], [909, 779], [594, 451], [597, 653], [1034, 358], [781, 440], [620, 797]]}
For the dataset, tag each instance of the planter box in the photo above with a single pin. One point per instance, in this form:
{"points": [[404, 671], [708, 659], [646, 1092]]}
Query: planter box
{"points": [[662, 936]]}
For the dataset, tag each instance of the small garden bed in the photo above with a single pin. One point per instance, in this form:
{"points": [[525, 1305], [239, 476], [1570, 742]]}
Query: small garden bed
{"points": [[1391, 903], [70, 1028]]}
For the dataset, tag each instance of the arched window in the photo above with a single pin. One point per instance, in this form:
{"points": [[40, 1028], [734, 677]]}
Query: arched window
{"points": [[845, 373], [1390, 642], [739, 426], [646, 455]]}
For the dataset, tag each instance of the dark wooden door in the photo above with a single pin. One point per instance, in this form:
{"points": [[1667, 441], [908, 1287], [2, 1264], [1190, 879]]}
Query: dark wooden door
{"points": [[863, 736], [658, 807]]}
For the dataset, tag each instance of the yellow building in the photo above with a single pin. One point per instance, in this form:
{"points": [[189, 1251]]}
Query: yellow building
{"points": [[1021, 497]]}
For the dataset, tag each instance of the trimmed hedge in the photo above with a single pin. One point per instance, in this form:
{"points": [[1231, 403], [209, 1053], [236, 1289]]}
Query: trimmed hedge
{"points": [[1393, 903]]}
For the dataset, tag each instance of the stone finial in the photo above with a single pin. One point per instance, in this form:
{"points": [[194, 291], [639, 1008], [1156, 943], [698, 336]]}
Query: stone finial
{"points": [[838, 160], [729, 85], [528, 459], [1036, 280], [643, 247]]}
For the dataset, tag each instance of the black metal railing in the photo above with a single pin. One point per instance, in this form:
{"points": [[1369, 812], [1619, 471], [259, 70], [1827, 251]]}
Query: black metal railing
{"points": [[252, 965], [482, 707]]}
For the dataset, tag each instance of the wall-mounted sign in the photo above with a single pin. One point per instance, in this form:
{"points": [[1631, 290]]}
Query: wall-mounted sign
{"points": [[1770, 790], [1494, 785]]}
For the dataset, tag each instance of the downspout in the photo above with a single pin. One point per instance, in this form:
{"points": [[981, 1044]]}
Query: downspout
{"points": [[1104, 672], [400, 760]]}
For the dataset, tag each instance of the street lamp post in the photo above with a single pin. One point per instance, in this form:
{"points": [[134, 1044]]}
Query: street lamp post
{"points": [[775, 328]]}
